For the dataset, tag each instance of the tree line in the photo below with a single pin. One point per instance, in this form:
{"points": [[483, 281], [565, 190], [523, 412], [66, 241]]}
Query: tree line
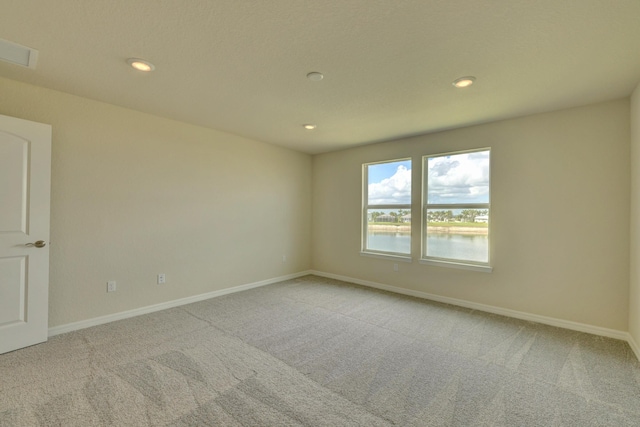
{"points": [[397, 216], [466, 215]]}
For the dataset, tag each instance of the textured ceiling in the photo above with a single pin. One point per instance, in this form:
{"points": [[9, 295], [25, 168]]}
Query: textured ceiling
{"points": [[240, 65]]}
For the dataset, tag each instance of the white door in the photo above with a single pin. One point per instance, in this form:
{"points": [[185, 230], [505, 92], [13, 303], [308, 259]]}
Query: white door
{"points": [[25, 182]]}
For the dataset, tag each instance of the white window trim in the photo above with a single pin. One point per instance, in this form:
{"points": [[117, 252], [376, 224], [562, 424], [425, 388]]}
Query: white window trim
{"points": [[385, 255], [460, 265], [364, 217], [452, 262]]}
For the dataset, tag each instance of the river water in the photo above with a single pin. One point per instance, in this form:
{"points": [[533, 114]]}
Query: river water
{"points": [[469, 247]]}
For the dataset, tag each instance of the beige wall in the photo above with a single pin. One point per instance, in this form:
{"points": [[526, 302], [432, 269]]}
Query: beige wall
{"points": [[634, 291], [560, 215], [134, 195]]}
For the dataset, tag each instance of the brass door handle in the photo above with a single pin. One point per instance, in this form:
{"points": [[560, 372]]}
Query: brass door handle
{"points": [[38, 244]]}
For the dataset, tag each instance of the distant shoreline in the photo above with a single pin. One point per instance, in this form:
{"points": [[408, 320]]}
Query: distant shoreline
{"points": [[406, 229]]}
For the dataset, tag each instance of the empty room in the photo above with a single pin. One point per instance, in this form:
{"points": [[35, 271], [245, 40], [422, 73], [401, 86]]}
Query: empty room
{"points": [[338, 213]]}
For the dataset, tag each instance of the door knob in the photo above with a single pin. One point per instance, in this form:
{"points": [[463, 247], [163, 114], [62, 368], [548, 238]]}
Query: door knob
{"points": [[38, 244]]}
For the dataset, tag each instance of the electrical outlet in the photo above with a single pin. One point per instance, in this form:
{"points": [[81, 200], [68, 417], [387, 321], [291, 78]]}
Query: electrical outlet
{"points": [[284, 258], [111, 286], [161, 279], [395, 267]]}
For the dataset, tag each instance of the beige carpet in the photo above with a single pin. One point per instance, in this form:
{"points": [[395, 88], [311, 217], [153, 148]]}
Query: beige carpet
{"points": [[319, 352]]}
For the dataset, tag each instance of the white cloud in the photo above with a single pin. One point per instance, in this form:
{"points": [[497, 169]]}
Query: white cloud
{"points": [[393, 190], [460, 178]]}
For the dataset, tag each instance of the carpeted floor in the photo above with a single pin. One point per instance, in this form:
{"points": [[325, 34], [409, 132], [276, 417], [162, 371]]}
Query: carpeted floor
{"points": [[319, 352]]}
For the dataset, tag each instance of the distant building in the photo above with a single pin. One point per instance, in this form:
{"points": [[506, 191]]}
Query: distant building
{"points": [[482, 218], [385, 218], [406, 218]]}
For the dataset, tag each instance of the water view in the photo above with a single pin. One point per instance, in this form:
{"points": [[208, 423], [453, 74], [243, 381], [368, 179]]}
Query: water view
{"points": [[389, 241], [472, 247]]}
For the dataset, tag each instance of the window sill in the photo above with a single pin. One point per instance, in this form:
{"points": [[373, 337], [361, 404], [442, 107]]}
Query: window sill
{"points": [[458, 265], [399, 258]]}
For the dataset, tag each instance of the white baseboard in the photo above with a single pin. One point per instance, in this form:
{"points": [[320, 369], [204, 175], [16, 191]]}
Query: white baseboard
{"points": [[70, 327], [634, 346], [566, 324]]}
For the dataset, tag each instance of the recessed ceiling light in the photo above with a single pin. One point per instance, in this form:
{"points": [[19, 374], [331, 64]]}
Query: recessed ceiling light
{"points": [[315, 76], [464, 81], [309, 126], [141, 64]]}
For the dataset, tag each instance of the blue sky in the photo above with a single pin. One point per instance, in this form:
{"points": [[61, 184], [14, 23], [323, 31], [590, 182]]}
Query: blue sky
{"points": [[382, 171], [390, 183], [458, 178]]}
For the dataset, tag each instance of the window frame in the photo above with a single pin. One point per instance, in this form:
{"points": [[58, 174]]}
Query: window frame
{"points": [[425, 207], [399, 256]]}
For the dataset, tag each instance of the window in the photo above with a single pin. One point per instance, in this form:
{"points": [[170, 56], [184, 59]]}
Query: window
{"points": [[386, 224], [456, 210]]}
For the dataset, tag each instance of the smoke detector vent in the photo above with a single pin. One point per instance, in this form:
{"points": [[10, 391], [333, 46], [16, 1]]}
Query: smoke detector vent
{"points": [[18, 54]]}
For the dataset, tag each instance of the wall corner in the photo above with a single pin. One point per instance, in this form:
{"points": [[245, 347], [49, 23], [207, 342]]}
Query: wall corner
{"points": [[634, 229]]}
